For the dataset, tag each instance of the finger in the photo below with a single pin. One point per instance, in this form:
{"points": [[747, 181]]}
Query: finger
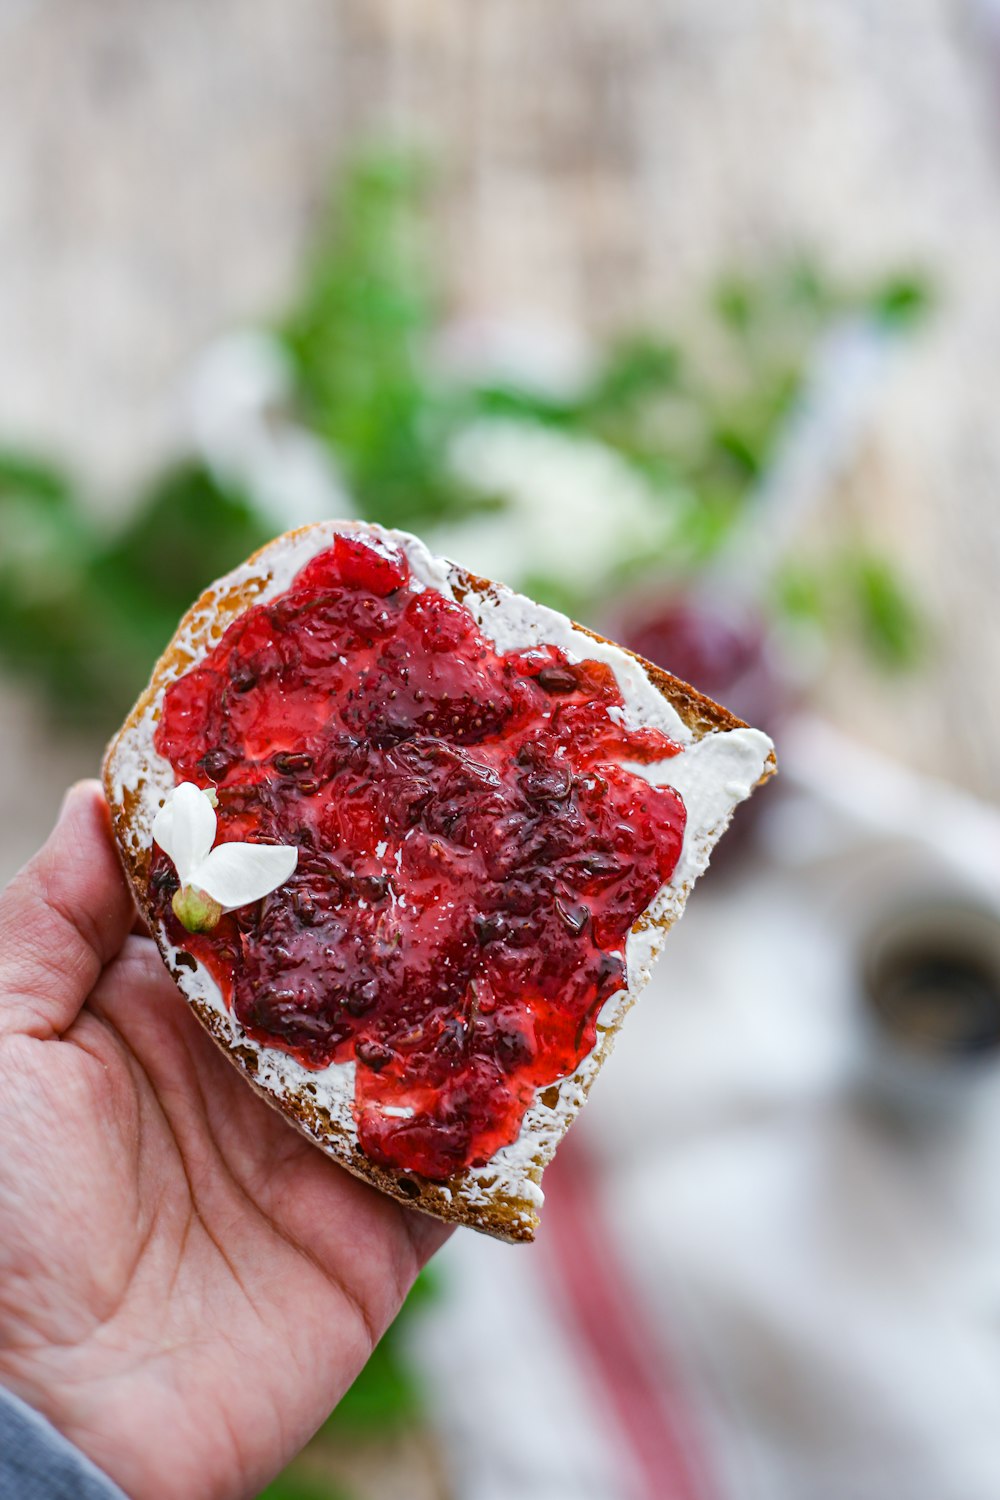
{"points": [[62, 919], [427, 1235]]}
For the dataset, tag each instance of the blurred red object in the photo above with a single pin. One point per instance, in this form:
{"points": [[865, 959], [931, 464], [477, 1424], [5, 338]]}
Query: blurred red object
{"points": [[723, 648], [664, 1454]]}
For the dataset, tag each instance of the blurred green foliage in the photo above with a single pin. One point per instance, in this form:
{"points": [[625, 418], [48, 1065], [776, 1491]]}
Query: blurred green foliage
{"points": [[853, 589], [84, 613], [699, 421], [358, 337], [298, 1484]]}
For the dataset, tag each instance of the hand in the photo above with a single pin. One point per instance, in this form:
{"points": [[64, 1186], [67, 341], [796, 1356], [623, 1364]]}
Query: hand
{"points": [[187, 1286]]}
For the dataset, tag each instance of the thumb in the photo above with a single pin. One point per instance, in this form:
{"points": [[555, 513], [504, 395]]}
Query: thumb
{"points": [[62, 918]]}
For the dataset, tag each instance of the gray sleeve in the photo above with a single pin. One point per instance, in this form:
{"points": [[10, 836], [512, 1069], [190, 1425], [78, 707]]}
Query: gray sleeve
{"points": [[38, 1463]]}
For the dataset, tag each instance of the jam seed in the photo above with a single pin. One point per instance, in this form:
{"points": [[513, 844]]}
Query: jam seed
{"points": [[374, 1055], [488, 928], [304, 905], [573, 918], [361, 1000], [290, 762], [556, 679], [551, 785], [215, 763]]}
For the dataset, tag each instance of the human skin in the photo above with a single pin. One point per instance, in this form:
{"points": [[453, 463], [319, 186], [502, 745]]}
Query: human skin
{"points": [[187, 1286]]}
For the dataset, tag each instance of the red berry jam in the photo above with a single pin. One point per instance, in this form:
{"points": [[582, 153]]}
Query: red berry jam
{"points": [[472, 853]]}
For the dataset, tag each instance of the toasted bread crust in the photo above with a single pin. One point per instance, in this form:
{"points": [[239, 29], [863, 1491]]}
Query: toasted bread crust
{"points": [[466, 1198]]}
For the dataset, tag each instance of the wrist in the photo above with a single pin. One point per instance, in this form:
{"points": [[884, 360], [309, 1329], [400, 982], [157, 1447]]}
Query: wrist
{"points": [[79, 1405], [35, 1457]]}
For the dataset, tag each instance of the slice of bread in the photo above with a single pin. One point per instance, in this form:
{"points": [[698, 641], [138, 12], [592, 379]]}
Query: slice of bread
{"points": [[720, 763]]}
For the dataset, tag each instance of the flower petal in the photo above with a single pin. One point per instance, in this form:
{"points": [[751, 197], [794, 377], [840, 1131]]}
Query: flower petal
{"points": [[163, 826], [185, 827], [236, 874]]}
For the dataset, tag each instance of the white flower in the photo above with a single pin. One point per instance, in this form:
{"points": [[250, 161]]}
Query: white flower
{"points": [[219, 879], [574, 506]]}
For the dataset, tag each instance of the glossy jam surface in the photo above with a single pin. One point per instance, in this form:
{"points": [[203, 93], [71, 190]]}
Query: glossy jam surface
{"points": [[472, 853]]}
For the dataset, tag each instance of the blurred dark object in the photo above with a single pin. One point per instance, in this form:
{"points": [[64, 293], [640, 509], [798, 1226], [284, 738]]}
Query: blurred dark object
{"points": [[932, 980], [929, 976]]}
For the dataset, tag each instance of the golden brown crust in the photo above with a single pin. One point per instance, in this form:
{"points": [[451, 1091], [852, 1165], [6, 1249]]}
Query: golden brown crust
{"points": [[501, 1215]]}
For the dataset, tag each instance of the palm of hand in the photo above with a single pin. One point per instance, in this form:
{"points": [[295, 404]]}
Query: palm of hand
{"points": [[186, 1285]]}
